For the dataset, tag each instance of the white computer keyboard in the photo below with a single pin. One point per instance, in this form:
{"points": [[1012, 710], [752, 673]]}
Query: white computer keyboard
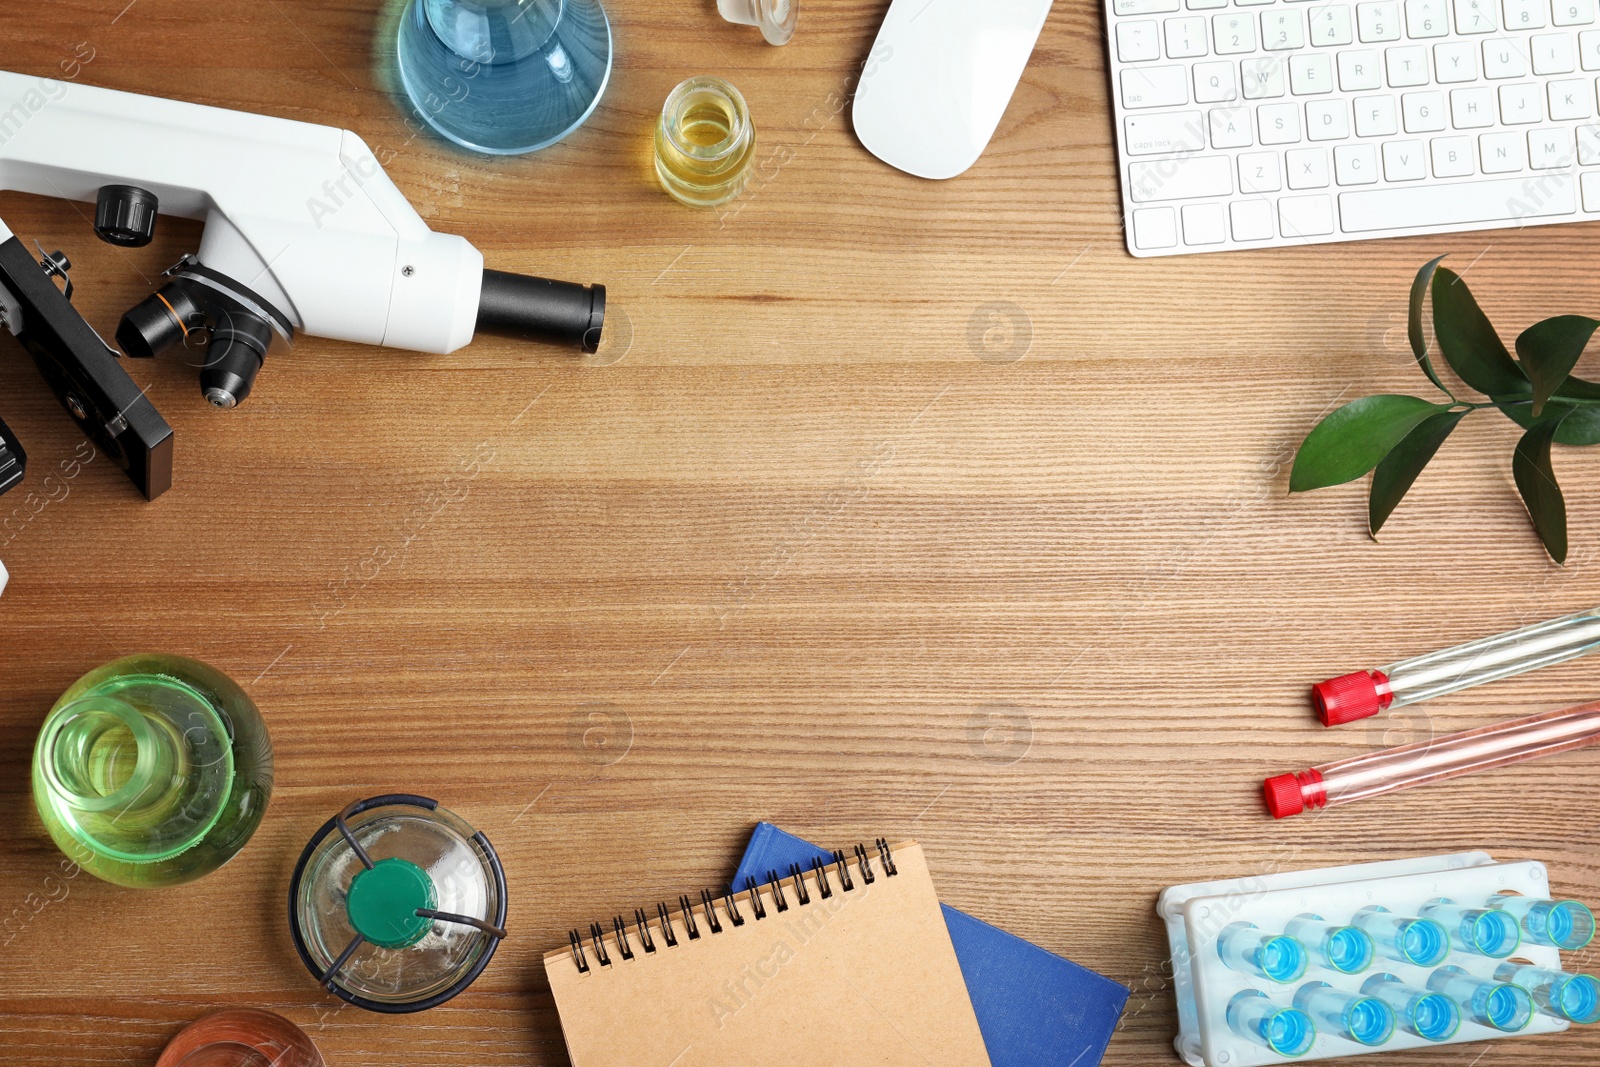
{"points": [[1261, 123]]}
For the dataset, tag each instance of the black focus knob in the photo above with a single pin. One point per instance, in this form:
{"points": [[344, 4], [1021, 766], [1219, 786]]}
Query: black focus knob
{"points": [[126, 215]]}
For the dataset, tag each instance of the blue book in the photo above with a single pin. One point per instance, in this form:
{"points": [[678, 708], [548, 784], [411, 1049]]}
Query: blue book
{"points": [[1035, 1009]]}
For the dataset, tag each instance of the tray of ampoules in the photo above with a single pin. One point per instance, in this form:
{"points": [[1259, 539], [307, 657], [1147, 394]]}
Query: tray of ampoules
{"points": [[1374, 957]]}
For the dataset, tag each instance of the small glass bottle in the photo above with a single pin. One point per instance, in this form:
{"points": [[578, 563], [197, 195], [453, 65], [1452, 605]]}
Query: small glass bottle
{"points": [[1286, 1031], [776, 18], [705, 143], [241, 1037], [152, 770], [1275, 957]]}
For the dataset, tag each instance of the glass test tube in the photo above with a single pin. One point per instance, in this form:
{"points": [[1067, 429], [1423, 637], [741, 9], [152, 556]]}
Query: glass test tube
{"points": [[1404, 939], [1250, 950], [1421, 762], [1364, 693], [1346, 949], [1480, 931], [1363, 1019], [1564, 924], [1574, 997], [1500, 1005], [1430, 1016], [1286, 1031]]}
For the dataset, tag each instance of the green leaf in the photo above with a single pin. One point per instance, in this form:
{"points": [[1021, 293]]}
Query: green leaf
{"points": [[1351, 441], [1468, 341], [1394, 475], [1578, 389], [1536, 481], [1419, 343], [1550, 349], [1580, 423]]}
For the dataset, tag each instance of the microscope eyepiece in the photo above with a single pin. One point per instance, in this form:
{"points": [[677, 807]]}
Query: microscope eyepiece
{"points": [[537, 309]]}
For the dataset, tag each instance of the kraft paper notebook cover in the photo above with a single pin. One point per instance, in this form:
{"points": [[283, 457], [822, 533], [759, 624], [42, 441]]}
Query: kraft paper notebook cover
{"points": [[842, 963], [1035, 1009]]}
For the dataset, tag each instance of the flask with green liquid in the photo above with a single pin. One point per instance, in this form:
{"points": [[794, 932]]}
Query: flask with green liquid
{"points": [[152, 770]]}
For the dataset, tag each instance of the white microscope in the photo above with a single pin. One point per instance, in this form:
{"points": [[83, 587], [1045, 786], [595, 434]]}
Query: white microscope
{"points": [[304, 232]]}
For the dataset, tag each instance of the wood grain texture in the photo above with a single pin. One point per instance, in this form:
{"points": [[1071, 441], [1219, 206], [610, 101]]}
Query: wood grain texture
{"points": [[891, 507]]}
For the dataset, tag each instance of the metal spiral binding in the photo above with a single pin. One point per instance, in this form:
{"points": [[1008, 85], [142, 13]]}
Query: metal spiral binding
{"points": [[820, 869]]}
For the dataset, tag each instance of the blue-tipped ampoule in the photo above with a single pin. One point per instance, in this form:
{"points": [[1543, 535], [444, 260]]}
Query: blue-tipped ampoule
{"points": [[1363, 1019], [1276, 957], [1430, 1016], [1564, 924], [1480, 931], [1286, 1031], [1573, 997], [1422, 942], [1500, 1005], [1346, 949]]}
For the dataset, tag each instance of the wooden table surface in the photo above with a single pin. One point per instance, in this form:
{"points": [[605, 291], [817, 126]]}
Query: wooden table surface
{"points": [[889, 508]]}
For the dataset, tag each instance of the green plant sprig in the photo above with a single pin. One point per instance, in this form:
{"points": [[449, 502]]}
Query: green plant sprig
{"points": [[1394, 437]]}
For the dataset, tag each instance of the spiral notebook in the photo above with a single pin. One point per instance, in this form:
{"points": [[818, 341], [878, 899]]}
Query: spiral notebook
{"points": [[844, 962]]}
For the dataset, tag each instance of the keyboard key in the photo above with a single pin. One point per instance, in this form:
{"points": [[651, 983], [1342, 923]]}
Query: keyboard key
{"points": [[1163, 133], [1184, 178], [1205, 5], [1204, 224], [1186, 38], [1278, 123], [1154, 87], [1502, 153], [1552, 53], [1305, 216], [1252, 220], [1504, 57], [1359, 70], [1355, 164], [1422, 112], [1155, 227], [1138, 41], [1214, 83], [1426, 18], [1403, 161], [1521, 104], [1263, 77], [1310, 73], [1330, 25], [1378, 21], [1283, 30], [1591, 191], [1143, 7], [1233, 33], [1408, 207], [1407, 65], [1475, 16], [1231, 127], [1455, 61], [1258, 172], [1452, 157], [1375, 116], [1327, 120], [1589, 145], [1473, 108], [1572, 98], [1307, 167], [1549, 149], [1572, 12], [1589, 49], [1524, 14]]}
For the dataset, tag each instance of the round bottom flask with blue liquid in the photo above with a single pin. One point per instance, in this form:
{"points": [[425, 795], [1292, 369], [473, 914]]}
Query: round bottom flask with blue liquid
{"points": [[505, 76]]}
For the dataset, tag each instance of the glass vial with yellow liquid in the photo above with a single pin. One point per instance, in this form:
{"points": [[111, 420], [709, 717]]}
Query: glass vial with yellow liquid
{"points": [[152, 771], [705, 143]]}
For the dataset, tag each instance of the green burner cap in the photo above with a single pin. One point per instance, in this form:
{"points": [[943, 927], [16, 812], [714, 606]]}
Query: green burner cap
{"points": [[383, 903]]}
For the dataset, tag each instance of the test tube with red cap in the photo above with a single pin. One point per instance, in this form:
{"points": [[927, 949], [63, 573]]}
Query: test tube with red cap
{"points": [[1365, 693], [1433, 760]]}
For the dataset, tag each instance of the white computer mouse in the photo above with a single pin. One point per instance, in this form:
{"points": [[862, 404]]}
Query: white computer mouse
{"points": [[939, 79]]}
